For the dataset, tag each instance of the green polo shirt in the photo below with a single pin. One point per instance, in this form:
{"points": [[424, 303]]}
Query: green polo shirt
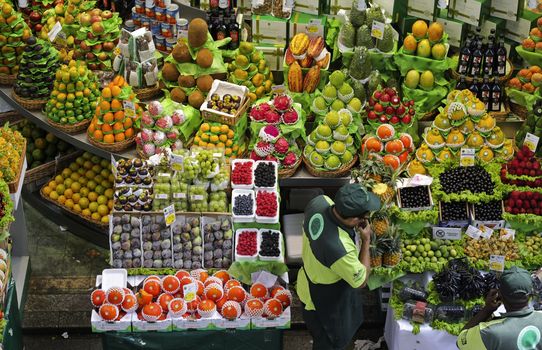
{"points": [[519, 330], [329, 251]]}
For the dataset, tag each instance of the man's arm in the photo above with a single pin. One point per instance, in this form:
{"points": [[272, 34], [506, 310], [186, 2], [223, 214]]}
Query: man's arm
{"points": [[492, 304], [365, 259]]}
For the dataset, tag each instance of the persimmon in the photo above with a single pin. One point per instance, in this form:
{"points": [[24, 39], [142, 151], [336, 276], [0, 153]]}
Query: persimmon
{"points": [[106, 92], [116, 90], [129, 133], [105, 106], [116, 105], [118, 127], [109, 138], [119, 137], [98, 135], [107, 129], [119, 116], [91, 128], [109, 118], [128, 123]]}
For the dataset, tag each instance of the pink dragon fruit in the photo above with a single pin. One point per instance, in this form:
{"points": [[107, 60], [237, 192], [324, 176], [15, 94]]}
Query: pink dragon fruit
{"points": [[155, 108], [269, 133], [254, 156], [258, 113], [146, 135], [282, 146], [159, 149], [177, 145], [172, 135], [164, 123], [282, 102], [290, 116], [272, 117], [149, 149], [178, 117], [159, 138], [271, 158], [290, 160], [263, 148], [146, 120], [138, 140]]}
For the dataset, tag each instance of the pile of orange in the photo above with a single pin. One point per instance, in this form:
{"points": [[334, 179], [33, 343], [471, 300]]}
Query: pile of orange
{"points": [[114, 118], [217, 135]]}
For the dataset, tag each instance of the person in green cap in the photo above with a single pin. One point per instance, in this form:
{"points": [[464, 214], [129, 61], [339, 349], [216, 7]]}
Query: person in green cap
{"points": [[333, 267], [519, 328]]}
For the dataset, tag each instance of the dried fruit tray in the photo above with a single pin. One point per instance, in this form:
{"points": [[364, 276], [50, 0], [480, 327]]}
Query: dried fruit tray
{"points": [[14, 185], [221, 88], [281, 247], [234, 162], [253, 257], [243, 218]]}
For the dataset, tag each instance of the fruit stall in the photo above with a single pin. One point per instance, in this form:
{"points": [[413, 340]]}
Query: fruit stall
{"points": [[187, 139]]}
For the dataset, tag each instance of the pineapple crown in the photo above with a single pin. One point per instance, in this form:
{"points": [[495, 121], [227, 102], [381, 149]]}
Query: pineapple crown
{"points": [[391, 241]]}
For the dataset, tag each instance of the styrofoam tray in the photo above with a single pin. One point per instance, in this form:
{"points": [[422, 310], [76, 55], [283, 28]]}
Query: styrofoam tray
{"points": [[243, 218], [114, 278], [267, 219], [258, 241], [275, 166], [281, 245], [233, 164], [221, 88]]}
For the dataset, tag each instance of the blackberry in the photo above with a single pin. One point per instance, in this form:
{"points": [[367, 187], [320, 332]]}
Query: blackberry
{"points": [[269, 245], [474, 179], [453, 211], [490, 211], [264, 175], [243, 205], [415, 197]]}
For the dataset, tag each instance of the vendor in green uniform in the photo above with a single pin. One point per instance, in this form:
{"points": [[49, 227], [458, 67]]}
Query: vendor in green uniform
{"points": [[519, 328], [333, 267]]}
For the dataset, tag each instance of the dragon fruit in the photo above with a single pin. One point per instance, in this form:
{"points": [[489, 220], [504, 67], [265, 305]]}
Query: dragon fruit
{"points": [[178, 117], [290, 117], [172, 135], [155, 108], [159, 138], [146, 135], [138, 140], [269, 133], [146, 120], [149, 149], [282, 146], [282, 102], [290, 160], [263, 148], [272, 117], [164, 123], [254, 156], [258, 113], [271, 158], [177, 145]]}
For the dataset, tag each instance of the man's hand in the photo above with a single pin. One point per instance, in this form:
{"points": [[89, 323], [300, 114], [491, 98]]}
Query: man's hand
{"points": [[492, 301], [365, 232]]}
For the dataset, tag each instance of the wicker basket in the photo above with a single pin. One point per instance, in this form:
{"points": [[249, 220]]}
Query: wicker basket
{"points": [[70, 128], [10, 117], [48, 168], [501, 115], [288, 172], [519, 110], [342, 171], [7, 79], [429, 115], [30, 104], [14, 185], [148, 92], [112, 147], [509, 69]]}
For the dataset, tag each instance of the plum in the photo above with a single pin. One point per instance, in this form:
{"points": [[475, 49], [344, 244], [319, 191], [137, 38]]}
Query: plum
{"points": [[196, 265], [136, 262], [127, 264], [118, 254], [227, 244], [208, 255], [165, 234], [125, 237], [178, 256], [135, 242], [177, 247], [218, 234], [115, 246], [197, 241], [225, 225]]}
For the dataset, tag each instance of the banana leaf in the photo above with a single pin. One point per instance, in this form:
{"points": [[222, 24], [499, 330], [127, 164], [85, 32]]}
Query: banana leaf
{"points": [[533, 58], [522, 98], [209, 44], [383, 275]]}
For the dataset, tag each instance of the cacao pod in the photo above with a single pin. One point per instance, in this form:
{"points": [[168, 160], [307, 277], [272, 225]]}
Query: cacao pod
{"points": [[289, 57], [312, 78], [306, 62], [299, 44], [323, 62], [316, 46], [295, 78]]}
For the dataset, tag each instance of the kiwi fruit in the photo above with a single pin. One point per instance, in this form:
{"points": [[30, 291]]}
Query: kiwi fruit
{"points": [[170, 72], [204, 58], [204, 83], [178, 95], [187, 81], [181, 54], [195, 99], [197, 32]]}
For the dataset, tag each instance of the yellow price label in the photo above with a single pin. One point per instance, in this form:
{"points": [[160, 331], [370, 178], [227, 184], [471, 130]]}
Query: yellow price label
{"points": [[169, 214], [189, 292], [531, 141]]}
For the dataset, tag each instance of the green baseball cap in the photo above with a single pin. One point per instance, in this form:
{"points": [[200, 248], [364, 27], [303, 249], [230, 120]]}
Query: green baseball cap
{"points": [[515, 283], [353, 200]]}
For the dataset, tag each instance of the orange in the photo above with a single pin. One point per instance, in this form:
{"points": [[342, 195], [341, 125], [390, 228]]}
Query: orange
{"points": [[224, 129], [215, 129], [223, 138], [385, 131], [228, 152], [372, 144], [76, 198], [91, 128], [47, 190], [205, 127], [129, 133], [106, 92], [116, 105], [109, 138], [119, 116], [231, 134], [115, 90], [109, 118], [107, 129], [392, 161], [118, 126], [98, 135], [128, 123], [119, 137], [105, 106], [394, 146], [68, 193], [118, 80], [229, 143], [61, 199]]}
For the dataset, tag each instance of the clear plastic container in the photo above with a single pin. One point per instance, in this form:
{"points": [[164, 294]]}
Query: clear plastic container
{"points": [[235, 163], [243, 218], [253, 257], [418, 312], [279, 257], [268, 219], [412, 293], [451, 313], [276, 170]]}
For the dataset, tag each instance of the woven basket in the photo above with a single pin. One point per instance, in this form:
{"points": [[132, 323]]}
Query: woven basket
{"points": [[14, 185], [429, 115], [288, 172], [519, 110], [509, 67], [502, 114], [70, 128], [10, 117], [148, 93], [112, 147], [48, 168], [30, 104], [342, 171], [7, 79]]}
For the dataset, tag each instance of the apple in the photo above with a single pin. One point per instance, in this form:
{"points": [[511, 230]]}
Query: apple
{"points": [[102, 56], [38, 27], [400, 110], [394, 120], [35, 16], [90, 36], [377, 95], [390, 91], [390, 110], [385, 98], [95, 12], [372, 115], [378, 108], [395, 100], [406, 119], [371, 102], [108, 46], [84, 19], [107, 14], [84, 46], [97, 47], [90, 56], [97, 28], [69, 19], [383, 119], [92, 66], [94, 19]]}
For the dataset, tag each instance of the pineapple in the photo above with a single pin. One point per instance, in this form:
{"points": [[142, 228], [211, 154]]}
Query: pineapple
{"points": [[391, 242], [384, 191], [379, 223], [370, 171], [375, 249]]}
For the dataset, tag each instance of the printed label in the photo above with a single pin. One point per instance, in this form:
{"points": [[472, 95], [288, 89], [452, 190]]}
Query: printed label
{"points": [[507, 234], [161, 196], [496, 263], [179, 195], [531, 141], [467, 157], [451, 233], [54, 32], [473, 232], [189, 291], [377, 30], [486, 232], [169, 215], [129, 108]]}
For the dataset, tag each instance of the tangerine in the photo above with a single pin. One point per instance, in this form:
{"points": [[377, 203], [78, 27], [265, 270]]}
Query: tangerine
{"points": [[206, 308], [275, 290], [231, 283], [403, 157], [151, 312], [181, 273], [128, 122], [223, 275], [213, 292], [116, 105], [109, 138], [285, 298], [129, 133], [143, 297], [254, 307], [205, 127], [406, 139], [98, 135], [177, 307], [130, 303], [106, 92], [115, 90], [220, 302], [115, 295], [193, 305], [213, 279], [231, 310], [105, 106], [119, 137], [119, 116]]}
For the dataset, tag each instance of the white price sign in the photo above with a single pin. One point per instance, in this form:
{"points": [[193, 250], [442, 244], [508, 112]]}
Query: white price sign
{"points": [[486, 232], [531, 141], [377, 30], [496, 263], [473, 232], [467, 156], [451, 233]]}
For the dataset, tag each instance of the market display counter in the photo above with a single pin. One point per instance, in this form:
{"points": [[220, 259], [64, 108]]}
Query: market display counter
{"points": [[267, 339], [399, 336], [13, 332]]}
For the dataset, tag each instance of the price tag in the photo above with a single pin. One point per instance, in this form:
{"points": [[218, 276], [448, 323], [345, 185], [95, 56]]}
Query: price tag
{"points": [[169, 215], [164, 175], [362, 6], [177, 162], [189, 292], [217, 155], [421, 180], [531, 141], [473, 232], [113, 166], [486, 232], [377, 30], [451, 233], [496, 263], [179, 195], [532, 4], [278, 89], [315, 25], [197, 197], [467, 156], [129, 108], [507, 234], [54, 32], [160, 196]]}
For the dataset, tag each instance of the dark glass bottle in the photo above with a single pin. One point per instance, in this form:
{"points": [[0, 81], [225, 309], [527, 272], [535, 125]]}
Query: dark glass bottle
{"points": [[485, 93], [476, 61], [496, 95], [492, 35], [489, 54], [213, 5], [224, 6], [461, 84], [501, 58], [221, 30], [465, 58], [474, 88], [233, 29]]}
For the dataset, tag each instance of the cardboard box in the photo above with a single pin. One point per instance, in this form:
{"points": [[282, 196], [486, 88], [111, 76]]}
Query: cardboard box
{"points": [[182, 324], [454, 28], [243, 323], [144, 326], [310, 7], [425, 9], [269, 30], [111, 278], [273, 55], [506, 9], [311, 24], [397, 9], [281, 322], [472, 12], [335, 7], [519, 30]]}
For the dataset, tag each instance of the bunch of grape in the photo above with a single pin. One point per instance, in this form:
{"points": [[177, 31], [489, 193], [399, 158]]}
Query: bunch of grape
{"points": [[207, 164]]}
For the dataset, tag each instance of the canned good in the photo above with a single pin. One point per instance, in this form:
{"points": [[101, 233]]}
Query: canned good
{"points": [[149, 11], [149, 3], [170, 44], [146, 23], [140, 6], [167, 3], [160, 43], [160, 14], [136, 17], [129, 25], [155, 27], [160, 3], [166, 30], [172, 13], [182, 24]]}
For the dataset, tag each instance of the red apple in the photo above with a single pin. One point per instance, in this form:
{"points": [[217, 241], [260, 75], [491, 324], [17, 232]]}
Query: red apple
{"points": [[90, 36], [390, 91], [372, 115], [406, 119], [108, 46], [395, 100], [38, 27], [90, 56], [394, 120], [383, 119], [385, 98], [85, 19], [107, 14], [390, 110], [378, 108], [97, 28], [35, 16], [377, 95], [400, 111], [97, 47], [411, 111], [95, 19]]}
